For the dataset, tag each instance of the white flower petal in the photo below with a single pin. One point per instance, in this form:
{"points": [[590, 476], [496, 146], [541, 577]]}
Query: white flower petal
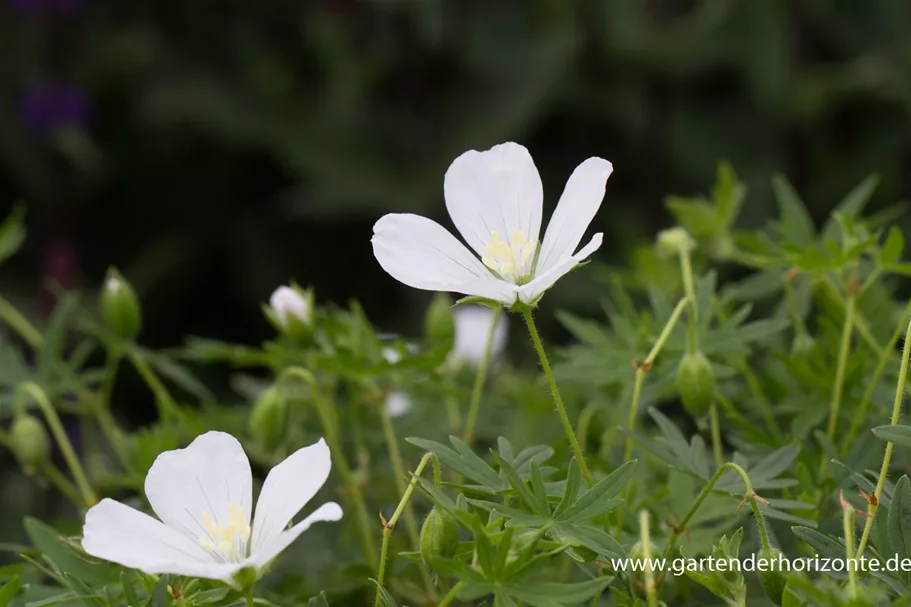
{"points": [[496, 190], [533, 290], [472, 326], [328, 512], [423, 254], [212, 473], [120, 534], [286, 302], [580, 201], [287, 489]]}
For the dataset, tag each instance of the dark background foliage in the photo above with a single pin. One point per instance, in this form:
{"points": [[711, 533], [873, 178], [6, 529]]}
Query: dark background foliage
{"points": [[213, 150]]}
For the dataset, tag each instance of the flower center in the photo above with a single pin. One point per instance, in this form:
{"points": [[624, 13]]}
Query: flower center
{"points": [[511, 259], [228, 540]]}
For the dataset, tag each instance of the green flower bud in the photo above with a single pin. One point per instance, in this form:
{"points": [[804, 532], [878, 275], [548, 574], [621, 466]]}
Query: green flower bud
{"points": [[771, 577], [803, 345], [439, 327], [674, 241], [30, 442], [439, 535], [119, 306], [268, 418], [696, 383]]}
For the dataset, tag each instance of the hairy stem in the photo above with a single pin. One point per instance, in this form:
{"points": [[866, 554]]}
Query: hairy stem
{"points": [[558, 400], [873, 505]]}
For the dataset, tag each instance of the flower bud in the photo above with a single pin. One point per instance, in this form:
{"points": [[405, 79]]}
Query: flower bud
{"points": [[268, 418], [439, 326], [119, 306], [290, 310], [696, 383], [30, 442], [674, 241], [439, 535], [771, 577], [803, 345]]}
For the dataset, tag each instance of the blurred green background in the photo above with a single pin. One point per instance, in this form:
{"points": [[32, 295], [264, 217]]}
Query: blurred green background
{"points": [[213, 150]]}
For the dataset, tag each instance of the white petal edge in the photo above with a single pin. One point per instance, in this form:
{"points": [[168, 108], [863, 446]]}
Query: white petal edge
{"points": [[204, 478], [287, 489], [532, 291], [581, 199], [123, 535], [497, 189], [422, 254], [328, 512]]}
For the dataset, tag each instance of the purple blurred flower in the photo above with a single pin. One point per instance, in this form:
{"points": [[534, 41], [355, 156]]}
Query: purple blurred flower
{"points": [[50, 108], [48, 8]]}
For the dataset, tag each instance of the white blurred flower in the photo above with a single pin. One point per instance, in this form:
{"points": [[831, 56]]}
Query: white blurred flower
{"points": [[288, 303], [495, 200], [472, 327], [203, 496], [397, 404]]}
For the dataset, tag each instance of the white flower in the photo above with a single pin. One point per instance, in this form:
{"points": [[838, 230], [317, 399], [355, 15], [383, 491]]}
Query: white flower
{"points": [[397, 404], [287, 303], [204, 497], [495, 200], [472, 327]]}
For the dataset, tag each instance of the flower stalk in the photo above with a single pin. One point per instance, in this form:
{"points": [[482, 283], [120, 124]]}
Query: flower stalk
{"points": [[86, 492], [873, 504], [558, 400], [389, 525]]}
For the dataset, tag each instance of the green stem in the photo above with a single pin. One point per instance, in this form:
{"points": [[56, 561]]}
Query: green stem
{"points": [[451, 595], [20, 324], [716, 434], [645, 541], [474, 406], [686, 269], [453, 415], [848, 523], [330, 428], [102, 409], [881, 364], [887, 458], [248, 595], [402, 507], [749, 495], [167, 407], [843, 351], [398, 469], [760, 523], [644, 367], [558, 400], [63, 441]]}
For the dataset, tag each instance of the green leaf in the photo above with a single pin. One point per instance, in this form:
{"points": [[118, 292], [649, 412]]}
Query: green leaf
{"points": [[10, 590], [898, 528], [900, 435], [12, 232], [385, 597], [827, 546], [50, 543], [600, 498], [796, 224], [892, 248], [570, 489], [462, 460], [54, 335], [851, 205]]}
